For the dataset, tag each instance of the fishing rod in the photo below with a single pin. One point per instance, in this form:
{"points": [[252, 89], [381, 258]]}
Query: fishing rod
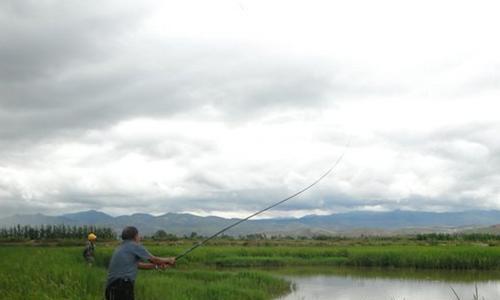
{"points": [[265, 209]]}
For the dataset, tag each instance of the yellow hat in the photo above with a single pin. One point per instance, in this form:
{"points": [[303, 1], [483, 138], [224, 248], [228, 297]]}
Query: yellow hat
{"points": [[92, 237]]}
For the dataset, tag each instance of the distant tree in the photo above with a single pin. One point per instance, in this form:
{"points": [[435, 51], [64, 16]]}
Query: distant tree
{"points": [[160, 235], [255, 236]]}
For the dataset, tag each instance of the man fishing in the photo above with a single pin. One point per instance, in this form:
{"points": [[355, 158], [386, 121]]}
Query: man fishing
{"points": [[88, 252], [126, 259]]}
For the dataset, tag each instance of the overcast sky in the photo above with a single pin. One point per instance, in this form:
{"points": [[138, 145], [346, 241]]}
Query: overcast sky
{"points": [[223, 107]]}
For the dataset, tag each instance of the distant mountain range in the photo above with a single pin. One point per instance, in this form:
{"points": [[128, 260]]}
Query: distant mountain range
{"points": [[351, 223]]}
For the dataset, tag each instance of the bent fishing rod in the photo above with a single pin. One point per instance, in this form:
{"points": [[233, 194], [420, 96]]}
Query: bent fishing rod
{"points": [[265, 209]]}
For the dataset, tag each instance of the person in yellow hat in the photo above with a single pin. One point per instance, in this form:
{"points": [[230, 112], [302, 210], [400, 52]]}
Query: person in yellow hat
{"points": [[88, 252]]}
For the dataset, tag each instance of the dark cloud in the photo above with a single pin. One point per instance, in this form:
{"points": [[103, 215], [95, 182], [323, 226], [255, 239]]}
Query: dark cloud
{"points": [[51, 106], [44, 38], [67, 68]]}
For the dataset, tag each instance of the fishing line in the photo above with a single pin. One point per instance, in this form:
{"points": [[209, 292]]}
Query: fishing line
{"points": [[267, 208]]}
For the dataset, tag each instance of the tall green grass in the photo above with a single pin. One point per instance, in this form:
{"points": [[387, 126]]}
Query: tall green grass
{"points": [[426, 257], [393, 256], [36, 273]]}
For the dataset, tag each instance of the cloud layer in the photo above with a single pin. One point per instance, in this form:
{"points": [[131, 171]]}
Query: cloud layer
{"points": [[224, 108]]}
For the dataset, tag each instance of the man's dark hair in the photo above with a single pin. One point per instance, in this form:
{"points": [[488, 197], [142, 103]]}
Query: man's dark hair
{"points": [[129, 233]]}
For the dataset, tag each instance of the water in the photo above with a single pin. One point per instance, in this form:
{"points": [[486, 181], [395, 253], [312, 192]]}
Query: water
{"points": [[367, 284]]}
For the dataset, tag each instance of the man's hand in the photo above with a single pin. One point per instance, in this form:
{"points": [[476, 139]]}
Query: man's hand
{"points": [[164, 266], [163, 261], [170, 261]]}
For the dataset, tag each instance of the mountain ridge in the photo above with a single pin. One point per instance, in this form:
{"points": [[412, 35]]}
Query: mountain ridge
{"points": [[341, 223]]}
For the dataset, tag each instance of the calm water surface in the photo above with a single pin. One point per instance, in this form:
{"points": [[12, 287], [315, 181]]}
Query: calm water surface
{"points": [[393, 285]]}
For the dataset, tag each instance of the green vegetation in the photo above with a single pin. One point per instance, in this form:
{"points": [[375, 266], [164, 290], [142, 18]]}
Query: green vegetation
{"points": [[428, 257], [51, 232], [475, 237], [221, 270], [393, 256], [60, 273]]}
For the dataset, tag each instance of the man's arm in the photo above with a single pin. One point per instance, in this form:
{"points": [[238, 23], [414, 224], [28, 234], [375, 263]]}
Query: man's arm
{"points": [[151, 266], [144, 255], [162, 260], [146, 266]]}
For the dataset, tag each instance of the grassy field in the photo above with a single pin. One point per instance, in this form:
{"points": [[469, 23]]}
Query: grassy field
{"points": [[60, 273], [229, 271]]}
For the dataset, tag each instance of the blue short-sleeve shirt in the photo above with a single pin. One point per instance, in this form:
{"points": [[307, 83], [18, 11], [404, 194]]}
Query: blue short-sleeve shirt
{"points": [[123, 264]]}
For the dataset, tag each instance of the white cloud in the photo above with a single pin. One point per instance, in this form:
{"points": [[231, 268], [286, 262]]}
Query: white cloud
{"points": [[223, 107]]}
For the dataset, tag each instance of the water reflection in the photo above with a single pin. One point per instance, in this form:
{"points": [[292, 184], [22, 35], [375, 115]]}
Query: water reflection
{"points": [[386, 284]]}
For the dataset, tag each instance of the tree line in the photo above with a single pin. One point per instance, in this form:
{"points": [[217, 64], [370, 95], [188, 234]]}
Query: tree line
{"points": [[48, 232], [458, 236]]}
